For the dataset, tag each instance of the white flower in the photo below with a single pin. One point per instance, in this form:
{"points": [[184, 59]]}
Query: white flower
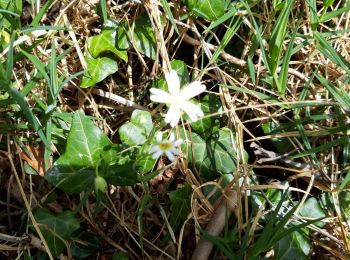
{"points": [[167, 147], [178, 99]]}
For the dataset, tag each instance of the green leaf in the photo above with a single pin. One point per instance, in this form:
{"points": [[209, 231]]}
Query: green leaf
{"points": [[142, 36], [212, 157], [278, 35], [98, 70], [180, 67], [330, 15], [84, 244], [295, 245], [55, 228], [138, 129], [210, 104], [210, 10], [311, 209], [145, 162], [180, 206], [86, 147], [104, 42]]}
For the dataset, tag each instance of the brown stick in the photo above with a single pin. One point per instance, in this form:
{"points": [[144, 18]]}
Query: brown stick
{"points": [[216, 225]]}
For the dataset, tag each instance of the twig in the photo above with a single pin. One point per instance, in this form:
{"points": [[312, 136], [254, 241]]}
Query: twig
{"points": [[216, 225], [26, 239], [117, 99]]}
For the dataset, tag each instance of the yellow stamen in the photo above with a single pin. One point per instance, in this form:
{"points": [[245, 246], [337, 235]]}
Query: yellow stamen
{"points": [[165, 146]]}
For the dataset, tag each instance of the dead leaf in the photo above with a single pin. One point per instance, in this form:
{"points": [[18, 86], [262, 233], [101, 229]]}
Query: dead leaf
{"points": [[34, 156]]}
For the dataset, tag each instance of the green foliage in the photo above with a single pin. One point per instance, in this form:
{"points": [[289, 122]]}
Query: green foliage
{"points": [[211, 106], [89, 152], [105, 42], [311, 210], [84, 244], [100, 184], [142, 37], [180, 206], [212, 157], [98, 70], [277, 229], [57, 229], [209, 10], [138, 129], [296, 245]]}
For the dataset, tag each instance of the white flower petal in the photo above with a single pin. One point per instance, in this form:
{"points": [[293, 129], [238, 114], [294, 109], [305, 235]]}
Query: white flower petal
{"points": [[174, 122], [173, 81], [191, 90], [157, 155], [178, 142], [172, 137], [187, 106], [174, 150], [154, 149], [173, 115], [170, 156], [160, 96], [159, 137]]}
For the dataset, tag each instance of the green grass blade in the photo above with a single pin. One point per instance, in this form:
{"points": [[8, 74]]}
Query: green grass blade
{"points": [[328, 51], [226, 39], [103, 6], [232, 12], [278, 35], [38, 64], [170, 15], [283, 76], [41, 13], [342, 98], [45, 27], [330, 15], [53, 86], [259, 37], [324, 147]]}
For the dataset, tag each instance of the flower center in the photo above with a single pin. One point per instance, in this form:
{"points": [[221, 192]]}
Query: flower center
{"points": [[176, 100], [165, 146]]}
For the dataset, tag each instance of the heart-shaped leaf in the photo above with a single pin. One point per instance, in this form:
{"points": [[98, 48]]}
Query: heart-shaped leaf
{"points": [[98, 70], [210, 10], [211, 106], [55, 228], [295, 245], [180, 206], [138, 129], [311, 209], [142, 36], [136, 132], [87, 150], [212, 157], [105, 42]]}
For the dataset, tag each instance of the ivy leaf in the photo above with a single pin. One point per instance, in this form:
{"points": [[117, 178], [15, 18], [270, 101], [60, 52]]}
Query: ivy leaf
{"points": [[311, 209], [84, 244], [56, 227], [212, 157], [181, 69], [210, 10], [142, 37], [87, 149], [180, 206], [98, 70], [104, 42], [138, 129], [210, 105], [295, 245]]}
